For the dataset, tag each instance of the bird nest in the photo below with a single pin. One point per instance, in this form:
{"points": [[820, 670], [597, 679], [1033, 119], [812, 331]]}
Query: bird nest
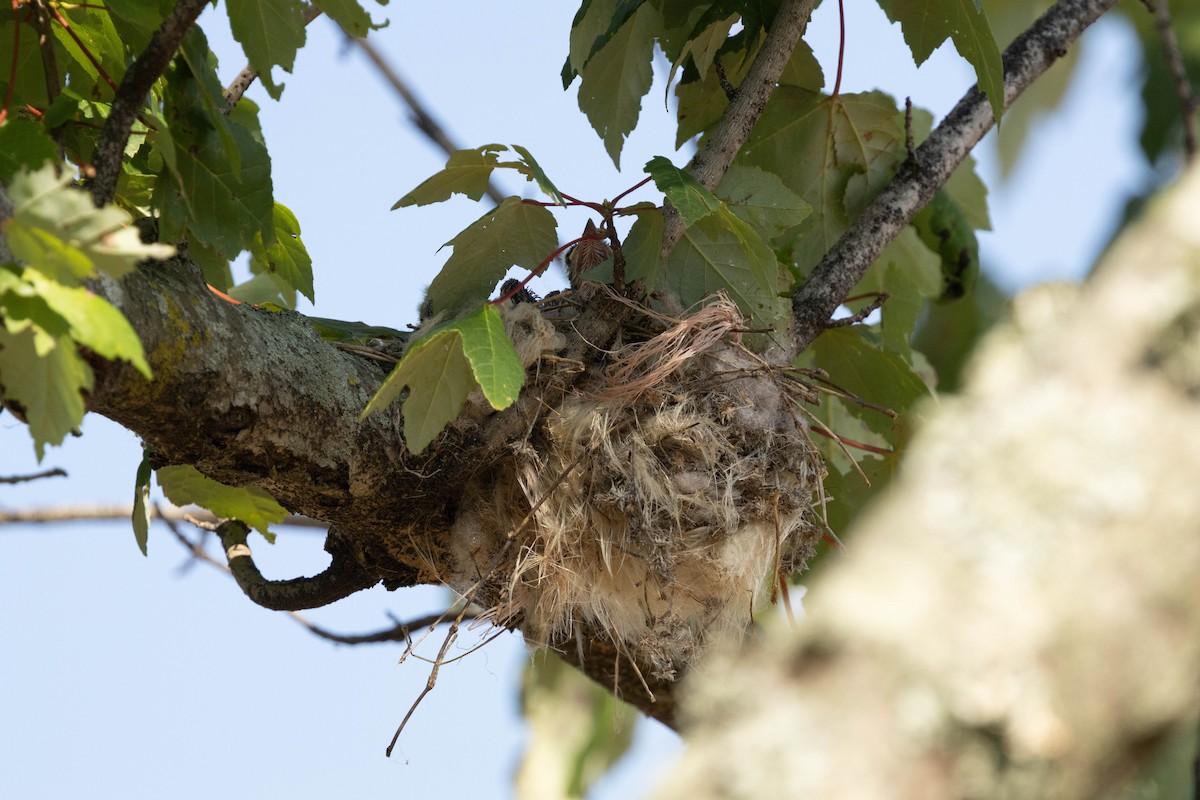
{"points": [[659, 504]]}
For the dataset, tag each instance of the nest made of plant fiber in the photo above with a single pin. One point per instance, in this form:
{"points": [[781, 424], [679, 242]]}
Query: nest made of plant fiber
{"points": [[659, 505]]}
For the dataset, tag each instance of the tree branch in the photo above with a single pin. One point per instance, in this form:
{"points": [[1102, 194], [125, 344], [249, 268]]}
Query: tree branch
{"points": [[138, 79], [108, 513], [422, 120], [343, 577], [919, 179], [712, 161]]}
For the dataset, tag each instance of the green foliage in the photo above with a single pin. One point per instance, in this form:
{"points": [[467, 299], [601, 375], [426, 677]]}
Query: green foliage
{"points": [[617, 75], [353, 18], [468, 172], [46, 314], [184, 485], [943, 226], [690, 199], [442, 369], [927, 24], [285, 257], [270, 31], [141, 510], [513, 234]]}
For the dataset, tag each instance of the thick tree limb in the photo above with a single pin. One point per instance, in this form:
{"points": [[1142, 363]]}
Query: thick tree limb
{"points": [[919, 179], [342, 578], [130, 95], [712, 161]]}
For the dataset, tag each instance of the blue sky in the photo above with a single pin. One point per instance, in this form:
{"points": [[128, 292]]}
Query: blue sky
{"points": [[126, 677]]}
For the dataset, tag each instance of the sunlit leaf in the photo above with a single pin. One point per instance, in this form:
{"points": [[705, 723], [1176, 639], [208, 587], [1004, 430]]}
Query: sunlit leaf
{"points": [[57, 230], [689, 198], [439, 379], [184, 485], [286, 257], [494, 360], [93, 322], [46, 376]]}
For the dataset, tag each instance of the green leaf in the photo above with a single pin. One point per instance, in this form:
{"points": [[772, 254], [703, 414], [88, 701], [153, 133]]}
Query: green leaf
{"points": [[855, 361], [928, 23], [595, 24], [286, 257], [24, 143], [270, 31], [759, 198], [226, 210], [57, 230], [643, 247], [141, 511], [467, 172], [722, 253], [350, 15], [691, 200], [533, 171], [93, 321], [184, 485], [514, 233], [910, 273], [494, 361], [439, 379], [617, 77], [834, 153], [944, 228], [336, 330], [47, 377]]}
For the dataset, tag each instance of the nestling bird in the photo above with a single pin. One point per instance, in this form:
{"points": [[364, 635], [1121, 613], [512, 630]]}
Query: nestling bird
{"points": [[591, 252]]}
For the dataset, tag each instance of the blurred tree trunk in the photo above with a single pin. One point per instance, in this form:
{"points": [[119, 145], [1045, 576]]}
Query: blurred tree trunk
{"points": [[1020, 615]]}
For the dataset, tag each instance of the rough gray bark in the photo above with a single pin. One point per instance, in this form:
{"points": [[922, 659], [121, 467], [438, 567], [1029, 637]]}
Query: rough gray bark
{"points": [[1019, 615], [920, 178]]}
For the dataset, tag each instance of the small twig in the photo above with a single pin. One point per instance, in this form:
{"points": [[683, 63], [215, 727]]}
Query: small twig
{"points": [[400, 632], [1183, 86], [421, 119], [727, 87], [249, 75], [431, 681], [41, 20], [140, 76], [50, 473], [861, 314], [909, 146]]}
